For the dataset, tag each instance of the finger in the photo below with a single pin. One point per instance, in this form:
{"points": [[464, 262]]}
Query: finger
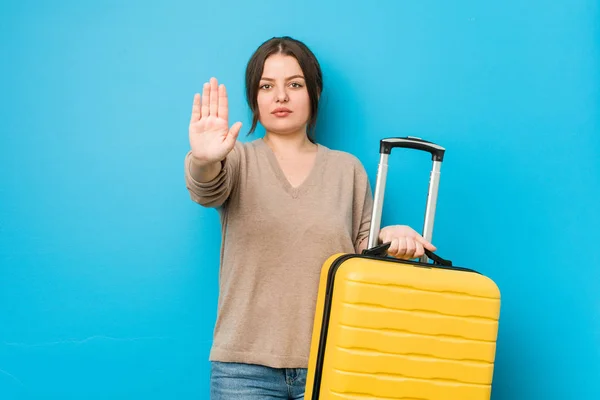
{"points": [[214, 97], [196, 114], [401, 247], [419, 250], [393, 249], [410, 248], [233, 134], [223, 111], [425, 243], [205, 100]]}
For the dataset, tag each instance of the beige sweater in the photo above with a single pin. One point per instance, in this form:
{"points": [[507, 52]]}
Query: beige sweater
{"points": [[275, 239]]}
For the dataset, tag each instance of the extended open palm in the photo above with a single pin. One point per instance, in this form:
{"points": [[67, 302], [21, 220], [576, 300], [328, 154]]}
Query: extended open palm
{"points": [[211, 139]]}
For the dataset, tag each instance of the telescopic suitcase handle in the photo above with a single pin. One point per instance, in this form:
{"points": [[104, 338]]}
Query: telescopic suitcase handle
{"points": [[385, 149], [437, 152]]}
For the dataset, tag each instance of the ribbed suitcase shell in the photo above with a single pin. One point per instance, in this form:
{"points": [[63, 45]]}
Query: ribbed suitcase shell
{"points": [[402, 330]]}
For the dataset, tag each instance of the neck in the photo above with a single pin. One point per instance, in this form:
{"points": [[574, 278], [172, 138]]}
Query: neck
{"points": [[289, 142]]}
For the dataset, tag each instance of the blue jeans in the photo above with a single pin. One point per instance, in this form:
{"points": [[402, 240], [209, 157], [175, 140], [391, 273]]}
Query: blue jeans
{"points": [[235, 381]]}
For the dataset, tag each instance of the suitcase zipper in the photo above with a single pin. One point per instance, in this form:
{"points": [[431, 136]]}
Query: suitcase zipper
{"points": [[325, 323], [328, 298]]}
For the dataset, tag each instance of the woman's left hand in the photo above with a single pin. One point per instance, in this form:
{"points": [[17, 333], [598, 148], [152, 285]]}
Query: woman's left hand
{"points": [[406, 243]]}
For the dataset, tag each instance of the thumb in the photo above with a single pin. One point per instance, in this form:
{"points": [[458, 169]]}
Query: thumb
{"points": [[233, 134]]}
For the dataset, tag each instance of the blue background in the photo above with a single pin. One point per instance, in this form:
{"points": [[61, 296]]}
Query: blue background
{"points": [[108, 271]]}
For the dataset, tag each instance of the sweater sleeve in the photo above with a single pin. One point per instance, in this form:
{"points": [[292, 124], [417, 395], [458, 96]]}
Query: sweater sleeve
{"points": [[363, 206], [215, 193]]}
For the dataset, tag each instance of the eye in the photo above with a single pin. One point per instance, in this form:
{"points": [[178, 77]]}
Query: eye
{"points": [[265, 86], [296, 85]]}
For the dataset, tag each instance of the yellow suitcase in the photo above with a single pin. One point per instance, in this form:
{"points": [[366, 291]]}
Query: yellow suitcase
{"points": [[397, 329]]}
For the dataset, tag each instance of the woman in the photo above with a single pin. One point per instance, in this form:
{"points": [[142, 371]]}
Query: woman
{"points": [[286, 204]]}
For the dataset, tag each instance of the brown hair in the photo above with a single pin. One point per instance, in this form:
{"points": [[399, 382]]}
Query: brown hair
{"points": [[308, 63]]}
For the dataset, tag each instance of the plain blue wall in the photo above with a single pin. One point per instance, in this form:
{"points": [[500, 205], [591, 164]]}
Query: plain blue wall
{"points": [[108, 277]]}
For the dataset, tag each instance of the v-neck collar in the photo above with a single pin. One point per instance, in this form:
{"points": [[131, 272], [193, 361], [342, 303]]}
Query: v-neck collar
{"points": [[309, 181]]}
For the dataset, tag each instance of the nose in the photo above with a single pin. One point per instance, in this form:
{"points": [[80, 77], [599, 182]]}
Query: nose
{"points": [[281, 95]]}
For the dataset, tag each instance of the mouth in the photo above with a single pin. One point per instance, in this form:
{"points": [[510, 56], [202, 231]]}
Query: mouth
{"points": [[281, 112]]}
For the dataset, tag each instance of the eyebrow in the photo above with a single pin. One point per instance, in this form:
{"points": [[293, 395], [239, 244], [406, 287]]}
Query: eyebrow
{"points": [[287, 79]]}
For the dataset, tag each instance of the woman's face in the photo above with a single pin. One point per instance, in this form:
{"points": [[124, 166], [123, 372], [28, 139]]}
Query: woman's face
{"points": [[283, 102]]}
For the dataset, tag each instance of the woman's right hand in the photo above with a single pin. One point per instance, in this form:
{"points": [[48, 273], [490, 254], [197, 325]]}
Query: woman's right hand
{"points": [[211, 139]]}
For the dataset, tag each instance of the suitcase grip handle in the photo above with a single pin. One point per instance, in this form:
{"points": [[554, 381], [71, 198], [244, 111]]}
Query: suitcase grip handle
{"points": [[410, 142], [381, 250]]}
